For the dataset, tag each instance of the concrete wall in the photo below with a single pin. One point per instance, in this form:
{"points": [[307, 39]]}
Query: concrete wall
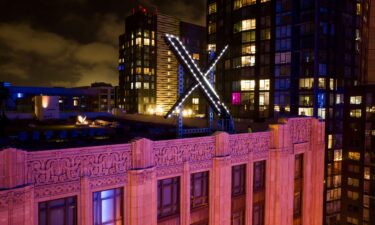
{"points": [[27, 178]]}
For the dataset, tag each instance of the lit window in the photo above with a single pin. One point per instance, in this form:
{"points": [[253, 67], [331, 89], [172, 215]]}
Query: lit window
{"points": [[264, 85], [331, 84], [353, 182], [196, 56], [236, 98], [333, 194], [146, 33], [211, 47], [247, 61], [138, 70], [322, 83], [146, 41], [248, 36], [138, 85], [75, 102], [211, 28], [353, 195], [248, 24], [306, 83], [322, 113], [195, 101], [247, 85], [355, 113], [212, 8], [359, 9], [354, 156], [263, 100], [241, 3], [138, 41], [355, 100], [108, 207], [305, 111], [248, 49], [367, 173], [146, 70], [366, 201], [339, 98], [146, 85], [337, 155], [351, 220]]}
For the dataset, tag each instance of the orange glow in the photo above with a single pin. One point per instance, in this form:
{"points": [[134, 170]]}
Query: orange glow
{"points": [[45, 101]]}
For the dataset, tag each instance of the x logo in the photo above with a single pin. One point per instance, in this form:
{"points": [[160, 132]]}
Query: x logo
{"points": [[200, 78]]}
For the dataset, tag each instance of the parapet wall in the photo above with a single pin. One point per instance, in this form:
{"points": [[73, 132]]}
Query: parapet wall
{"points": [[27, 178]]}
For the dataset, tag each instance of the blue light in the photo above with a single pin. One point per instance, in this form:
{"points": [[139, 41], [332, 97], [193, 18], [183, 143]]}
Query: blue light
{"points": [[7, 84], [121, 67], [321, 100], [19, 95]]}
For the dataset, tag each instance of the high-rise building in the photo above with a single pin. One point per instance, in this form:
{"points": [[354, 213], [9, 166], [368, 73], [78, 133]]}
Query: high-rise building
{"points": [[273, 177], [148, 70], [292, 57], [358, 176]]}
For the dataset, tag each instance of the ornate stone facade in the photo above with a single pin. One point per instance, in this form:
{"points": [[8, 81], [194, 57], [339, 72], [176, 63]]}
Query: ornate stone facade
{"points": [[46, 175]]}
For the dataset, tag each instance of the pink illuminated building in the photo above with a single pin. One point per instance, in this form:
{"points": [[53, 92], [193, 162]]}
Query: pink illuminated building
{"points": [[273, 177]]}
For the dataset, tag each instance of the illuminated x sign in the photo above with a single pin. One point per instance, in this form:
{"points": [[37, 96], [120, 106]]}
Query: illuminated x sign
{"points": [[200, 78]]}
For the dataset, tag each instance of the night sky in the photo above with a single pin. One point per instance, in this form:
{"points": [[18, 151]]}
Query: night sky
{"points": [[71, 42]]}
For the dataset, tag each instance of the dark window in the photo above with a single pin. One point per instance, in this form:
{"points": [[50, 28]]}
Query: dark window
{"points": [[168, 197], [238, 180], [298, 188], [58, 212], [298, 166], [259, 175], [199, 189], [297, 205], [258, 214], [238, 218], [108, 207]]}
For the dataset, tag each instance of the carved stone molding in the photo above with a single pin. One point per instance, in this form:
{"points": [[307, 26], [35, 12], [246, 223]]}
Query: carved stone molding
{"points": [[169, 171], [176, 152], [56, 189], [61, 167], [15, 197], [300, 129], [199, 166], [101, 182]]}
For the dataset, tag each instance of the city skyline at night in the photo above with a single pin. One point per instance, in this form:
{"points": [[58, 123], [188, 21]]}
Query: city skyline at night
{"points": [[187, 112]]}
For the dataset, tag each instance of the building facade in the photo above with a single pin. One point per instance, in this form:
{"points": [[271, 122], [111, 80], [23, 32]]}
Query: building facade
{"points": [[292, 57], [358, 156], [99, 97], [273, 177], [148, 70]]}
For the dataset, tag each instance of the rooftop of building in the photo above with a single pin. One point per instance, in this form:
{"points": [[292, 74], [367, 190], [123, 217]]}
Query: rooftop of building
{"points": [[32, 135], [55, 91]]}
